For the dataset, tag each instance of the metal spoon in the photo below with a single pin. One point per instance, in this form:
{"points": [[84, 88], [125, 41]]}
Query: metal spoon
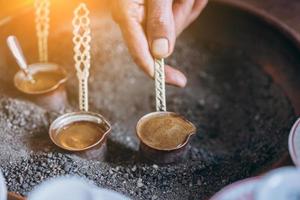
{"points": [[17, 52]]}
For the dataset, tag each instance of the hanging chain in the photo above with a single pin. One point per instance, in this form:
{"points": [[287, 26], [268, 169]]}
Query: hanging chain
{"points": [[42, 11], [160, 91], [82, 47]]}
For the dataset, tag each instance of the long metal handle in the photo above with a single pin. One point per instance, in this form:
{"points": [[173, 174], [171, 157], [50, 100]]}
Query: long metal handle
{"points": [[160, 90], [82, 54], [42, 23], [83, 94], [17, 52]]}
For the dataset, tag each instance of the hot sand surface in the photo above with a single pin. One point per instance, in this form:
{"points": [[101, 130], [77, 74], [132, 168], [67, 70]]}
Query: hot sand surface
{"points": [[242, 118]]}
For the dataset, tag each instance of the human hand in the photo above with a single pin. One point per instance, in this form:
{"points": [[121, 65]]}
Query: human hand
{"points": [[150, 28]]}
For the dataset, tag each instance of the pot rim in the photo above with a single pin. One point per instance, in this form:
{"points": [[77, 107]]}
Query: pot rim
{"points": [[36, 65], [71, 114], [192, 132]]}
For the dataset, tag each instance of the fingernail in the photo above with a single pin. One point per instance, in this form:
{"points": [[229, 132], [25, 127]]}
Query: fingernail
{"points": [[178, 79], [181, 80], [160, 48]]}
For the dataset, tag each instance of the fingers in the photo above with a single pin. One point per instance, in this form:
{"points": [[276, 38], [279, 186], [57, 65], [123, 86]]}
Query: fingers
{"points": [[185, 12], [161, 36], [137, 43], [174, 77], [134, 35], [182, 10], [129, 15], [127, 10], [139, 49], [198, 6], [160, 27]]}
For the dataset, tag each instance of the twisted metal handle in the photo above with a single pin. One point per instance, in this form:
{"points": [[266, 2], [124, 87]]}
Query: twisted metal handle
{"points": [[42, 11], [160, 90], [83, 98], [82, 47]]}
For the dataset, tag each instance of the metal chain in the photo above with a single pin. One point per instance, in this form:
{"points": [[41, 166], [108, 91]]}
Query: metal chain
{"points": [[42, 11], [160, 90], [82, 47]]}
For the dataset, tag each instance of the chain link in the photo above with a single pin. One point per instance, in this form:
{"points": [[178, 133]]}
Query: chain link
{"points": [[42, 11], [82, 47], [160, 90]]}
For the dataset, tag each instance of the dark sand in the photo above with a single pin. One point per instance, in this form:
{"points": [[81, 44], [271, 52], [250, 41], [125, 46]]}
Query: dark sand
{"points": [[242, 119]]}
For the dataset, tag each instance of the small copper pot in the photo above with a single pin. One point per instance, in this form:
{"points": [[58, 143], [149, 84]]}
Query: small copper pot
{"points": [[95, 151], [162, 156], [159, 155], [54, 98]]}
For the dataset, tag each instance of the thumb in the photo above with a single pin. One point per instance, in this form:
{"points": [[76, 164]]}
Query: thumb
{"points": [[160, 27]]}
